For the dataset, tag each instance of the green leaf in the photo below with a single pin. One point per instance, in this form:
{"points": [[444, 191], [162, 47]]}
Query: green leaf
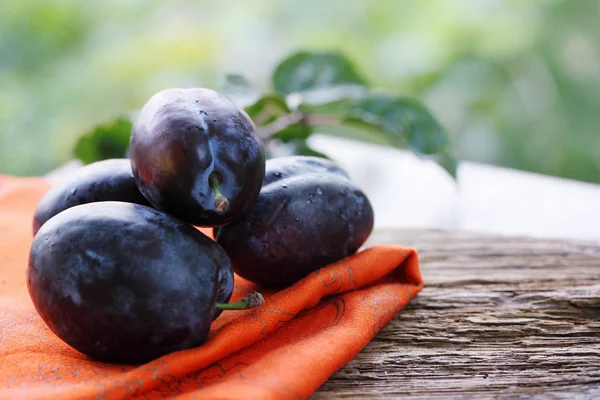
{"points": [[405, 123], [354, 132], [235, 82], [299, 131], [447, 162], [327, 100], [301, 148], [109, 140], [239, 90], [268, 108], [309, 70], [286, 128]]}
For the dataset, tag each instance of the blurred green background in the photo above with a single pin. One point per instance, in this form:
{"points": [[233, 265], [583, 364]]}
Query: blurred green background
{"points": [[516, 83]]}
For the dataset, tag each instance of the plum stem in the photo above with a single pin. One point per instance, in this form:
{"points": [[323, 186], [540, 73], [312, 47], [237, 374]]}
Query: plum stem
{"points": [[221, 202], [251, 300]]}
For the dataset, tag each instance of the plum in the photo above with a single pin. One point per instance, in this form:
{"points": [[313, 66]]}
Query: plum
{"points": [[122, 282], [308, 214], [108, 180], [196, 155]]}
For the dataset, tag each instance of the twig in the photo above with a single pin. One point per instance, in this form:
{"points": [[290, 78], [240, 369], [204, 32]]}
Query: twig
{"points": [[266, 132]]}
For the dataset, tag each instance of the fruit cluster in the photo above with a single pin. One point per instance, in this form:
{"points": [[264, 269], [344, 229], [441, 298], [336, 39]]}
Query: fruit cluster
{"points": [[117, 268]]}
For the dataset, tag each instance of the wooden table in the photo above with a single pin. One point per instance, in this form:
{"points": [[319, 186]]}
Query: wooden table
{"points": [[499, 317]]}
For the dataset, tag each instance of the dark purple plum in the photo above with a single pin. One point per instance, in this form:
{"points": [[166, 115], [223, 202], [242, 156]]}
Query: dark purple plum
{"points": [[126, 283], [196, 155], [308, 215], [108, 180]]}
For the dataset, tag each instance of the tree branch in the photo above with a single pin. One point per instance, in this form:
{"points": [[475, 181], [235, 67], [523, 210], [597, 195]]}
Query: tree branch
{"points": [[266, 132]]}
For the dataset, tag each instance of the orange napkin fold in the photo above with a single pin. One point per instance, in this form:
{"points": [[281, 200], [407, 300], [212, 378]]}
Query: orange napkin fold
{"points": [[283, 350]]}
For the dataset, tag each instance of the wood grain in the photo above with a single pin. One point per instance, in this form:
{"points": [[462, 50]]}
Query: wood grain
{"points": [[500, 317]]}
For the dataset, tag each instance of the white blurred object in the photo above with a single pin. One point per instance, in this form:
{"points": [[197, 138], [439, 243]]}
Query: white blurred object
{"points": [[502, 200], [404, 190], [407, 191]]}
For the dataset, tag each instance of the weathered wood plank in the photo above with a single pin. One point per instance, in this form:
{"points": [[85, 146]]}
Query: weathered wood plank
{"points": [[500, 317]]}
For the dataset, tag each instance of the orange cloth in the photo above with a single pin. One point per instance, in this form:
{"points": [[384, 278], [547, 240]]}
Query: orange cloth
{"points": [[283, 350]]}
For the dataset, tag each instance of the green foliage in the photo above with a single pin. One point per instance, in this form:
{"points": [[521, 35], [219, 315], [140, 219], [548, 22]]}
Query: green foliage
{"points": [[48, 28], [109, 140], [404, 121], [236, 82], [515, 83], [329, 91], [331, 99], [320, 89], [267, 108], [240, 90], [306, 70], [301, 148], [294, 132]]}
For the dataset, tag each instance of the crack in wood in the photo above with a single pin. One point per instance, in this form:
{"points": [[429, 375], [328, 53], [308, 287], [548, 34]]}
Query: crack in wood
{"points": [[499, 317]]}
